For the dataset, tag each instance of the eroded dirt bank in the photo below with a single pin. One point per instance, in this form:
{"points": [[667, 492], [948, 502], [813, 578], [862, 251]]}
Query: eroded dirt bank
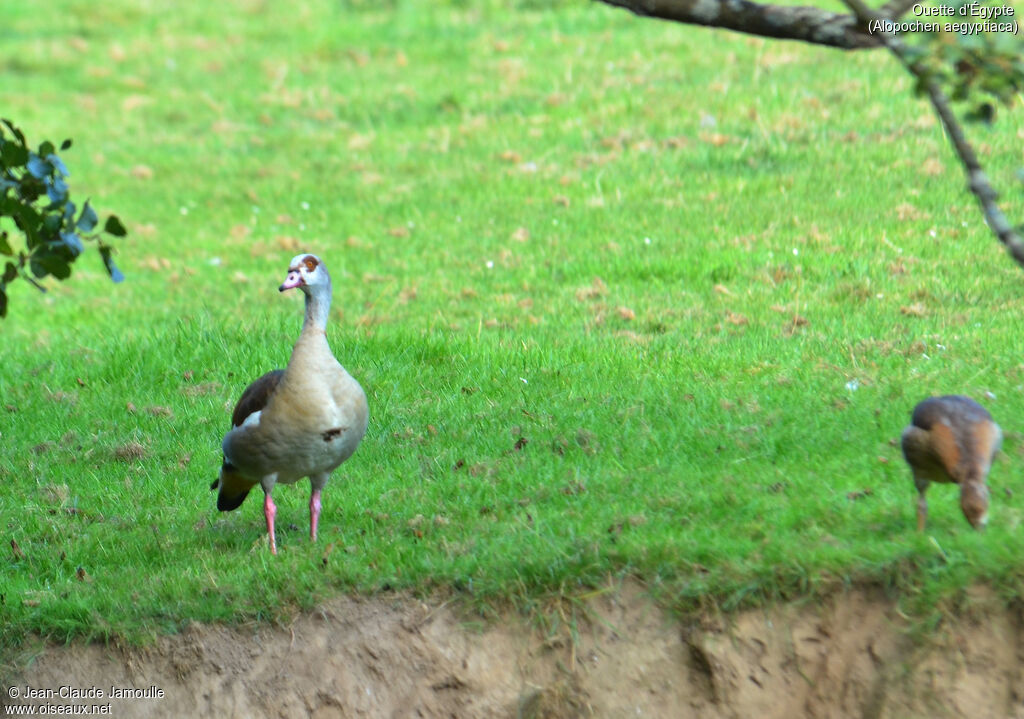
{"points": [[396, 657]]}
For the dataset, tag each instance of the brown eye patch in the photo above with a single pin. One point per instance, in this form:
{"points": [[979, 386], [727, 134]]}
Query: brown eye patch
{"points": [[310, 262]]}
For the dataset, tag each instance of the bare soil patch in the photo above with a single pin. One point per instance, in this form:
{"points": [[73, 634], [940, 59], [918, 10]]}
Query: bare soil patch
{"points": [[394, 656]]}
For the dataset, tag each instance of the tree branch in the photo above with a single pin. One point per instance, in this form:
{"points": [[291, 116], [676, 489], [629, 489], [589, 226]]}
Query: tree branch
{"points": [[807, 24], [977, 181], [859, 30], [896, 8]]}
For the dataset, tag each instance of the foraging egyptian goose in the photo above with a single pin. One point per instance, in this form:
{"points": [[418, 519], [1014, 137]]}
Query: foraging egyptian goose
{"points": [[302, 421], [952, 439]]}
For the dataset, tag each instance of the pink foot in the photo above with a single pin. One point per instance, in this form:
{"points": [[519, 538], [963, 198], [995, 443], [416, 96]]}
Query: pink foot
{"points": [[270, 510], [314, 513]]}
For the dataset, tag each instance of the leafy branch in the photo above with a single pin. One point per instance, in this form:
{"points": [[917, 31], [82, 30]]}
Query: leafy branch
{"points": [[35, 196]]}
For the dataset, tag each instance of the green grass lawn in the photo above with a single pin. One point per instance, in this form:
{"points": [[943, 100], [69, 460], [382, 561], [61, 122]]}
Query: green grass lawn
{"points": [[627, 298]]}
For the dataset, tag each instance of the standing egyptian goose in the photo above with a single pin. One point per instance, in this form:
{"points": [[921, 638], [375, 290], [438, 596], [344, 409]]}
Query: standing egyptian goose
{"points": [[952, 439], [302, 421]]}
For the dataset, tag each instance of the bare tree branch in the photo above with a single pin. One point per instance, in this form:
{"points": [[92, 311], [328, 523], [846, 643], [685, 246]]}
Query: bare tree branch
{"points": [[896, 8], [859, 30], [977, 181], [807, 24]]}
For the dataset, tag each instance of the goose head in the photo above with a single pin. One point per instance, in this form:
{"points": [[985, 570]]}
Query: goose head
{"points": [[308, 273], [974, 503]]}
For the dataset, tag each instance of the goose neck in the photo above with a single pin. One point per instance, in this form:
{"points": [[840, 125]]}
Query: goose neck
{"points": [[318, 305]]}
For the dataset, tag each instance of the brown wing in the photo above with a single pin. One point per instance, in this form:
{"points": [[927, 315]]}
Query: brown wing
{"points": [[930, 463], [961, 436], [956, 410], [256, 396], [986, 438]]}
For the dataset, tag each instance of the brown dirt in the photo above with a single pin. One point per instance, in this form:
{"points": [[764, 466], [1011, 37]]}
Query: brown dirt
{"points": [[396, 657]]}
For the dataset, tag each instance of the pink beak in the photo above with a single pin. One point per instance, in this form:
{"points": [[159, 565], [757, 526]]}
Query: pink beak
{"points": [[294, 279]]}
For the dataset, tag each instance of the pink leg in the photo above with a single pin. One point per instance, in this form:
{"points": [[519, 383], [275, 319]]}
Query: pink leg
{"points": [[314, 513], [270, 510]]}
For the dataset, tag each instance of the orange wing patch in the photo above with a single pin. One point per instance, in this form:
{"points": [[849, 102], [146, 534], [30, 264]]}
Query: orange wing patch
{"points": [[946, 448], [985, 439]]}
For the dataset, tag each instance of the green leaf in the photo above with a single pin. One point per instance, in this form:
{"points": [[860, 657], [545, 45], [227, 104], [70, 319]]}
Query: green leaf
{"points": [[73, 244], [51, 264], [58, 163], [46, 148], [5, 246], [31, 189], [38, 268], [3, 303], [108, 261], [28, 221], [57, 191], [61, 269], [38, 167], [65, 145], [51, 226], [114, 227], [10, 273], [16, 132], [12, 155], [88, 219]]}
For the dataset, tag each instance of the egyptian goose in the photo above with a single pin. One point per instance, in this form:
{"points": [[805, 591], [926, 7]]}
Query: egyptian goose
{"points": [[302, 421], [952, 439]]}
